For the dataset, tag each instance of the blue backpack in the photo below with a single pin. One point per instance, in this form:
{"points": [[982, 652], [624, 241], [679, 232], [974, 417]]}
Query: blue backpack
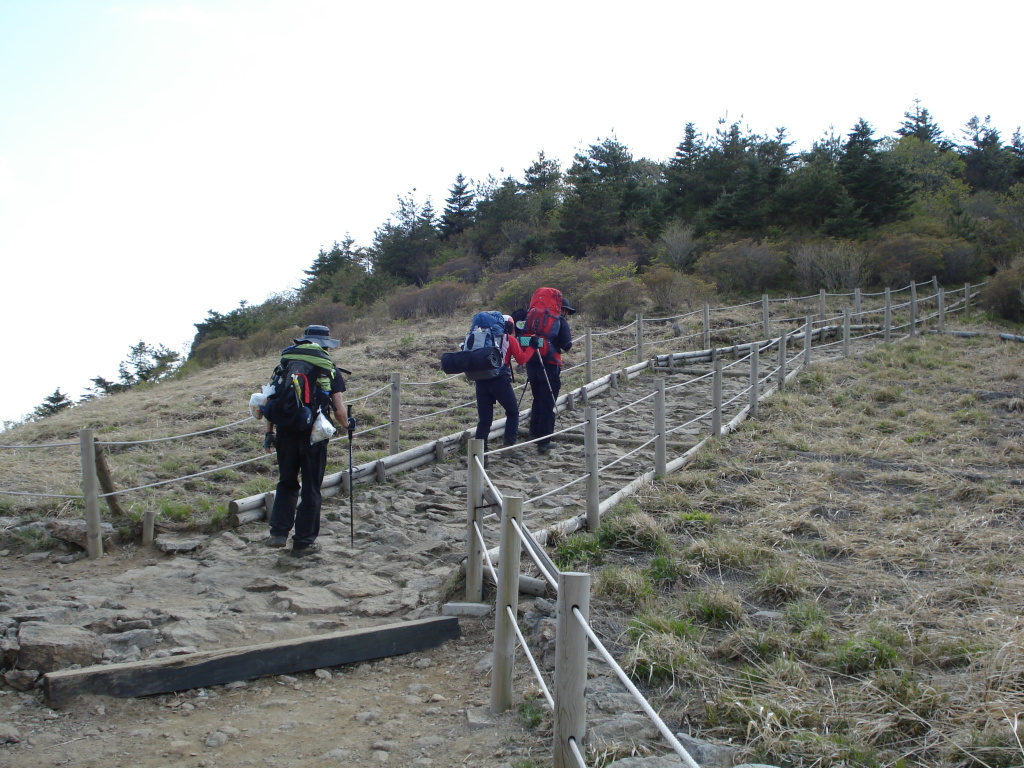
{"points": [[480, 357]]}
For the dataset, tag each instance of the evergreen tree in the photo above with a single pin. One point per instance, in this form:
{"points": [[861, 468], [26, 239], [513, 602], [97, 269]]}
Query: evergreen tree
{"points": [[610, 195], [322, 273], [543, 181], [148, 364], [811, 193], [54, 403], [684, 183], [458, 210], [919, 124], [989, 165], [404, 248], [502, 206], [878, 188]]}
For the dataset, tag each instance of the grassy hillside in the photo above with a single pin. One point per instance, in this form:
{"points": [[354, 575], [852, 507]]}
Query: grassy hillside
{"points": [[841, 582]]}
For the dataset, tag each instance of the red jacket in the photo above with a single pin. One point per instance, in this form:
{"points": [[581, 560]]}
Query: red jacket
{"points": [[512, 349]]}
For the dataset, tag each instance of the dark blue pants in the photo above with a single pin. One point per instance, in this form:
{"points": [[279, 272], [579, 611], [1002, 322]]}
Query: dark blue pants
{"points": [[296, 459], [497, 390], [545, 383]]}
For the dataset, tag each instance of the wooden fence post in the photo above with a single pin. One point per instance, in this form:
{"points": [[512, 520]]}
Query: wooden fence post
{"points": [[913, 308], [588, 348], [887, 325], [90, 492], [507, 600], [857, 305], [967, 300], [707, 325], [107, 483], [661, 441], [474, 520], [821, 305], [808, 341], [846, 332], [640, 337], [942, 310], [755, 355], [394, 442], [783, 353], [765, 316], [570, 666], [592, 466], [148, 527], [716, 399]]}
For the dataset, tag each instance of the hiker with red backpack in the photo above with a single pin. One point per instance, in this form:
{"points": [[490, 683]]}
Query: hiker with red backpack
{"points": [[546, 329]]}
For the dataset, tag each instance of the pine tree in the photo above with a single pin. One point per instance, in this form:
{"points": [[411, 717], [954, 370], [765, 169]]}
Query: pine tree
{"points": [[322, 273], [919, 124], [542, 181], [879, 189], [458, 210], [54, 403]]}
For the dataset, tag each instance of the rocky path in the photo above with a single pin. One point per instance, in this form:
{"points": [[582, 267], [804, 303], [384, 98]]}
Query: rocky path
{"points": [[229, 590]]}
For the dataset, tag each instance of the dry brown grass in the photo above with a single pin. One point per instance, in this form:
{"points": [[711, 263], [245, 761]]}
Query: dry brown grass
{"points": [[219, 396], [868, 524]]}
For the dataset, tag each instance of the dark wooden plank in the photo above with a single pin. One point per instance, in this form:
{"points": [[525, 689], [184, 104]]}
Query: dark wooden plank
{"points": [[199, 670]]}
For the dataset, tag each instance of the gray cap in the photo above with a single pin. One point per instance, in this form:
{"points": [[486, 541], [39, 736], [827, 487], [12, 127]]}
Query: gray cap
{"points": [[320, 334]]}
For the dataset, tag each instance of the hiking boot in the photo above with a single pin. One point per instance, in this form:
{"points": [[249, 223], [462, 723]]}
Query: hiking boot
{"points": [[547, 447], [277, 542], [312, 549]]}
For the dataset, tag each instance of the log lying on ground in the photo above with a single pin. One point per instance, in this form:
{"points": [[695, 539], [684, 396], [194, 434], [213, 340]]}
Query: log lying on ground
{"points": [[200, 670]]}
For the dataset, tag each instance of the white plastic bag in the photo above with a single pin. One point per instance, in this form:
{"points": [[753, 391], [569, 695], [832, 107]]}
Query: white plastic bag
{"points": [[322, 429], [257, 400]]}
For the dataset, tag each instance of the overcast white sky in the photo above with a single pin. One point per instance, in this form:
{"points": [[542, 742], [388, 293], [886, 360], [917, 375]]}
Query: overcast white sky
{"points": [[160, 159]]}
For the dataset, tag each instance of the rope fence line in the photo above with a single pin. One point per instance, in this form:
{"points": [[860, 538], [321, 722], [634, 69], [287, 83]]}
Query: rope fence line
{"points": [[914, 301], [42, 445], [41, 495], [570, 718], [174, 437]]}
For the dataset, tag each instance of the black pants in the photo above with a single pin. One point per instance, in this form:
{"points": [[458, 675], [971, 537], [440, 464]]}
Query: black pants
{"points": [[297, 458], [497, 390], [545, 383]]}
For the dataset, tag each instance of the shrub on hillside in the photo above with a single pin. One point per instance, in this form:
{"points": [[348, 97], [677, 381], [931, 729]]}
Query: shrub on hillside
{"points": [[671, 291], [835, 265], [897, 260], [328, 313], [746, 266], [404, 303], [615, 301], [218, 350], [434, 300], [573, 278], [444, 298], [465, 269], [266, 341], [1004, 293], [677, 245]]}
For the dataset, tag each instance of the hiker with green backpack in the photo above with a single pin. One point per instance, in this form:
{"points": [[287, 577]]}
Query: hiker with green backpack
{"points": [[307, 389], [547, 330]]}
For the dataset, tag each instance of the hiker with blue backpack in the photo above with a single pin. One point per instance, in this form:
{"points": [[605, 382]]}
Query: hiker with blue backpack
{"points": [[306, 390], [485, 359], [547, 330]]}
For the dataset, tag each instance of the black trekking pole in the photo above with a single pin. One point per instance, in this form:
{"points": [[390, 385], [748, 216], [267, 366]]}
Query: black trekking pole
{"points": [[551, 391], [351, 483]]}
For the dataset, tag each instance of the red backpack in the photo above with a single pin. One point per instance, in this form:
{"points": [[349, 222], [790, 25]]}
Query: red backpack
{"points": [[541, 318]]}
